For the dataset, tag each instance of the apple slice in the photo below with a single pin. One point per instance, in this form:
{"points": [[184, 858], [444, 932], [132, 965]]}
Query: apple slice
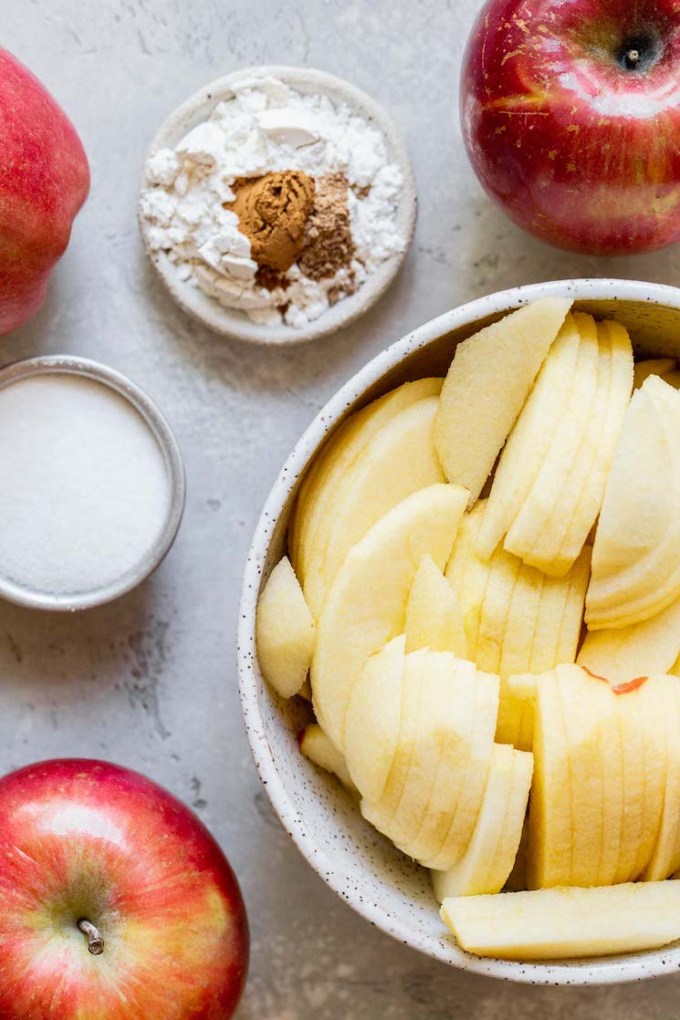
{"points": [[438, 700], [316, 746], [636, 555], [317, 492], [515, 723], [640, 650], [553, 924], [665, 860], [489, 380], [472, 781], [436, 785], [469, 575], [567, 745], [516, 618], [434, 618], [373, 719], [398, 460], [567, 483], [601, 440], [366, 603], [284, 631], [599, 780], [530, 439], [490, 857], [651, 366]]}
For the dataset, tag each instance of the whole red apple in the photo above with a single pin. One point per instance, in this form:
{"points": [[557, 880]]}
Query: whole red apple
{"points": [[44, 180], [571, 117], [115, 901]]}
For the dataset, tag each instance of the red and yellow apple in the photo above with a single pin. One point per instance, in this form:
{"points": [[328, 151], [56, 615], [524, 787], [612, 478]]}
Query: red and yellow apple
{"points": [[44, 181], [571, 115], [117, 903]]}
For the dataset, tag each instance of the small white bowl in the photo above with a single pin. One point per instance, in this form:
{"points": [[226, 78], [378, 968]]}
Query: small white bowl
{"points": [[364, 869], [229, 321], [71, 365]]}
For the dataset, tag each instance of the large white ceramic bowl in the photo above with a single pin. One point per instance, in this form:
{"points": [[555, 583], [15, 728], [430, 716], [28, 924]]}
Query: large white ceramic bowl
{"points": [[364, 869]]}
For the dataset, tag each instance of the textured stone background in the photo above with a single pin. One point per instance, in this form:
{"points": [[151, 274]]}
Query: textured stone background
{"points": [[150, 681]]}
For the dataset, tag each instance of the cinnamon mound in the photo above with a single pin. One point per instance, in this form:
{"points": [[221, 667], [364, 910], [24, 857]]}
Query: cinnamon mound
{"points": [[273, 211]]}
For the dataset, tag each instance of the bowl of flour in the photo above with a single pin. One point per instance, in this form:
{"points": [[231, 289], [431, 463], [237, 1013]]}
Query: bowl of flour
{"points": [[277, 204]]}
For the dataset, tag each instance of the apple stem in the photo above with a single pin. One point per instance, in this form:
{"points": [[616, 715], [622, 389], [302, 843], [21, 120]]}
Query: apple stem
{"points": [[632, 58], [95, 943]]}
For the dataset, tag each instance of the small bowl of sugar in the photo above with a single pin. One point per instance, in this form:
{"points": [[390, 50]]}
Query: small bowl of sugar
{"points": [[278, 204], [93, 484]]}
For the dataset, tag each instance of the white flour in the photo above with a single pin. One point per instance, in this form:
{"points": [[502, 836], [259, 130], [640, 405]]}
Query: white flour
{"points": [[267, 126], [84, 491]]}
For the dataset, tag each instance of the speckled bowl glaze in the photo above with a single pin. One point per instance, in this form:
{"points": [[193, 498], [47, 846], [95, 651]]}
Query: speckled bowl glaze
{"points": [[380, 883], [231, 322]]}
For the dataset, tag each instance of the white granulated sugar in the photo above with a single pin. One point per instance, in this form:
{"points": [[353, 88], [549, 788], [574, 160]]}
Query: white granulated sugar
{"points": [[266, 127], [84, 491]]}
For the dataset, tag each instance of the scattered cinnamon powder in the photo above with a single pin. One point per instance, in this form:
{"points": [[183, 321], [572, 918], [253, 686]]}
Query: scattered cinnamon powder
{"points": [[273, 211], [328, 244]]}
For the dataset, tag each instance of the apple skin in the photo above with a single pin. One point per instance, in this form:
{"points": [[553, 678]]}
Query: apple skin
{"points": [[578, 149], [87, 839], [44, 180]]}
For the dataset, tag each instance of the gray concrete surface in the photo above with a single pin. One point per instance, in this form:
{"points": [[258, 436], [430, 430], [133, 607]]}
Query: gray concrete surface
{"points": [[150, 681]]}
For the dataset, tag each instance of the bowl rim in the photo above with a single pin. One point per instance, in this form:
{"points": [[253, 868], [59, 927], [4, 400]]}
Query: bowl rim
{"points": [[597, 971], [232, 322]]}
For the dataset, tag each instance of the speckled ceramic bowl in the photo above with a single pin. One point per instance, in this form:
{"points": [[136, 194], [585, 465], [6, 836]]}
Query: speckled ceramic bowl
{"points": [[364, 869], [230, 321]]}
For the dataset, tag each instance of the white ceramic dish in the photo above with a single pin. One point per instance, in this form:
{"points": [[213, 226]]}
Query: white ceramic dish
{"points": [[231, 322], [364, 869]]}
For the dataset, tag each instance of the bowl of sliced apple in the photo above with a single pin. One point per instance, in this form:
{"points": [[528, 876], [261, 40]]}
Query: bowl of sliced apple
{"points": [[459, 645]]}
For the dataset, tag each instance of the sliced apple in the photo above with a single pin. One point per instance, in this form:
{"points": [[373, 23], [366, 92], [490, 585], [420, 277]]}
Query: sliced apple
{"points": [[472, 782], [599, 778], [316, 746], [516, 618], [665, 860], [489, 380], [284, 631], [373, 719], [436, 786], [601, 440], [516, 711], [366, 603], [530, 439], [636, 555], [559, 744], [469, 575], [398, 460], [490, 856], [563, 600], [560, 509], [317, 492], [639, 650], [438, 700], [434, 618], [651, 366], [553, 924]]}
